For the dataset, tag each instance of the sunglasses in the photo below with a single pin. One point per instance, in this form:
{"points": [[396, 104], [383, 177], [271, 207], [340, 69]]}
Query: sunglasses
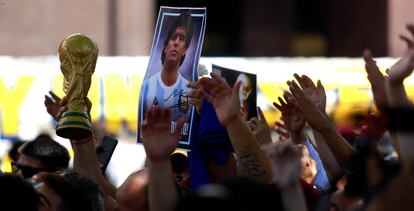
{"points": [[28, 171]]}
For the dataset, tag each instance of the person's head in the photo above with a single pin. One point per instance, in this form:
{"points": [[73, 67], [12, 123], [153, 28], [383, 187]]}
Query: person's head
{"points": [[92, 190], [308, 164], [17, 194], [133, 193], [178, 40], [61, 194], [40, 155], [245, 88], [179, 163]]}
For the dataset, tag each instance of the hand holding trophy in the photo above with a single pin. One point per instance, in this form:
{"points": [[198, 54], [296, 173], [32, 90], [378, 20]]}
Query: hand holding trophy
{"points": [[77, 54]]}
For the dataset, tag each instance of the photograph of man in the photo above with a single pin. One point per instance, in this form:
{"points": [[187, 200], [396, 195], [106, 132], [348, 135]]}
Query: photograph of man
{"points": [[247, 91], [173, 63], [246, 88], [167, 87]]}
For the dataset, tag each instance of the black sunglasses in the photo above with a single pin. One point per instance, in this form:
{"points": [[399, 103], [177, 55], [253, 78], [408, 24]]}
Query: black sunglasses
{"points": [[28, 171]]}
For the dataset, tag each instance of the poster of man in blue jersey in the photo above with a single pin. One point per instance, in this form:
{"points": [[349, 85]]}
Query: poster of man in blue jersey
{"points": [[173, 62]]}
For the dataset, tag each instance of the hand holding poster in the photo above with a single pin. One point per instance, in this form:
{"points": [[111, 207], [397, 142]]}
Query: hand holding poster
{"points": [[173, 63]]}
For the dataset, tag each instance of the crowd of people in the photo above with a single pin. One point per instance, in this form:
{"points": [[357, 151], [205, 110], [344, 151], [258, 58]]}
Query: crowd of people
{"points": [[312, 166]]}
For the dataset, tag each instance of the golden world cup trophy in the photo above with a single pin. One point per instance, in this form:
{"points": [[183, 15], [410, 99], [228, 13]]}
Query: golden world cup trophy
{"points": [[77, 54]]}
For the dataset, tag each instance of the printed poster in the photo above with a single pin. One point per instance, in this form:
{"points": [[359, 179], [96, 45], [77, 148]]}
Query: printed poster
{"points": [[173, 62]]}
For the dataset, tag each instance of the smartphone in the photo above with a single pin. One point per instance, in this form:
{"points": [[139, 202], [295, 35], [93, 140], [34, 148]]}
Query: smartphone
{"points": [[105, 151]]}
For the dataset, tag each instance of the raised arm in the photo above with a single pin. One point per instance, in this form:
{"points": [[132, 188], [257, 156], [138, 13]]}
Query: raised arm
{"points": [[399, 72], [398, 97], [252, 162], [317, 94], [293, 120], [85, 160], [159, 143], [377, 81], [320, 122]]}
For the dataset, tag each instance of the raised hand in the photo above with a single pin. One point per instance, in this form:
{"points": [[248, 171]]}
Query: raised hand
{"points": [[224, 98], [159, 142], [308, 108], [55, 106], [195, 96], [293, 120], [259, 128], [282, 131], [315, 93], [404, 67], [285, 162], [52, 105], [377, 81]]}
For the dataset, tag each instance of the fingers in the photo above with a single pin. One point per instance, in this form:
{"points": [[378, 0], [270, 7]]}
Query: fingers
{"points": [[152, 114], [207, 83], [196, 92], [157, 114], [279, 107], [281, 129], [64, 101], [295, 90], [320, 86], [179, 126], [260, 114], [250, 125], [253, 123], [217, 78], [48, 101], [410, 28], [300, 80], [207, 96], [62, 109], [307, 81], [407, 40], [304, 81], [286, 96], [298, 95], [367, 55], [282, 132], [194, 85], [54, 96], [282, 102], [166, 115], [280, 124]]}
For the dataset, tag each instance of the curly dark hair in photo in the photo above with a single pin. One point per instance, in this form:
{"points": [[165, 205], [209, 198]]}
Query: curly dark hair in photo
{"points": [[184, 20]]}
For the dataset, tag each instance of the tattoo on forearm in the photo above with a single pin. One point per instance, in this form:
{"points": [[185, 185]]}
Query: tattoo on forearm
{"points": [[249, 165]]}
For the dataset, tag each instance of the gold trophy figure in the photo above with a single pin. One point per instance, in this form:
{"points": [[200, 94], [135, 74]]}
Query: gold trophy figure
{"points": [[77, 54]]}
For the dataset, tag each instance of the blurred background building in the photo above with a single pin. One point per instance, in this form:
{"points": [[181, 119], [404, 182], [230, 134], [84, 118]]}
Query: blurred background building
{"points": [[234, 27]]}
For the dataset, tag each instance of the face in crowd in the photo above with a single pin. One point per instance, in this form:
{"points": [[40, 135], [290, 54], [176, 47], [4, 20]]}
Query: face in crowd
{"points": [[308, 164]]}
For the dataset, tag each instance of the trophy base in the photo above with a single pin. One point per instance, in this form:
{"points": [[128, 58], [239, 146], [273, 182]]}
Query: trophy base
{"points": [[74, 125]]}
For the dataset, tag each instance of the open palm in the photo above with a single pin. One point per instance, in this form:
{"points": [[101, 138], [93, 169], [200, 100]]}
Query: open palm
{"points": [[404, 67], [224, 98], [315, 92], [159, 142]]}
